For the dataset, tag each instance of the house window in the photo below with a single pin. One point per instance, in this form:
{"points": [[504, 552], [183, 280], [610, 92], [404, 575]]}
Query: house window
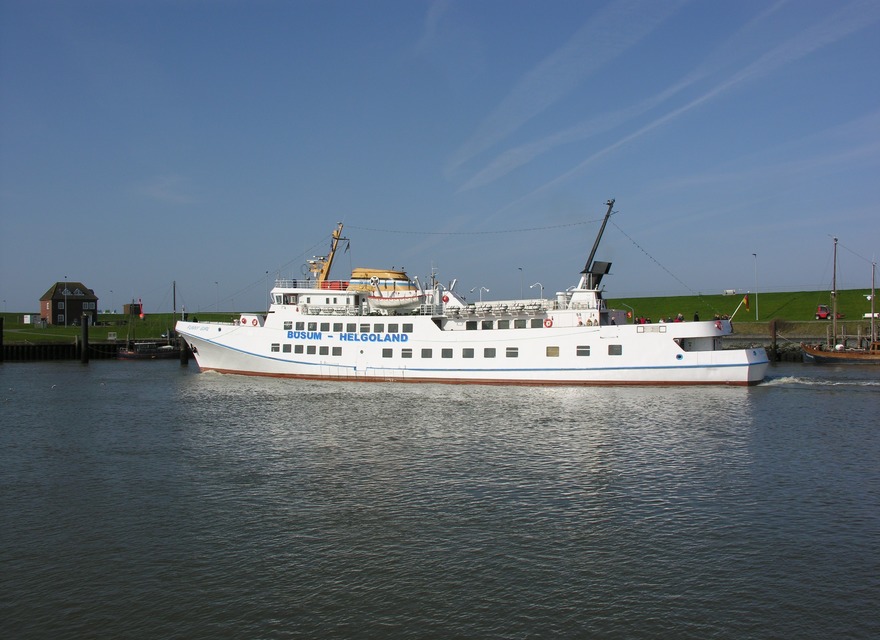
{"points": [[552, 352], [615, 349], [583, 349], [512, 352]]}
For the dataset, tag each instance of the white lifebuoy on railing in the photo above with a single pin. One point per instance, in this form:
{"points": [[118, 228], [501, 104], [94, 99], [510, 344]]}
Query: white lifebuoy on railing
{"points": [[254, 322], [548, 322]]}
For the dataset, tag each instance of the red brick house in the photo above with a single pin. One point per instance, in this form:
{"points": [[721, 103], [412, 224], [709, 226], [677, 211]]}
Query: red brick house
{"points": [[65, 303]]}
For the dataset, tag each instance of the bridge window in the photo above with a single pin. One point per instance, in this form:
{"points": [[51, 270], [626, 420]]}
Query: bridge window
{"points": [[407, 327]]}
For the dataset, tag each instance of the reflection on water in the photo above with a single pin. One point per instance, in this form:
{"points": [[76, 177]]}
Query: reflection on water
{"points": [[224, 506]]}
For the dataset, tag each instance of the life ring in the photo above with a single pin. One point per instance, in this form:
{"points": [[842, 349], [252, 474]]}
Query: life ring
{"points": [[254, 322], [445, 298], [548, 322], [243, 321], [718, 325]]}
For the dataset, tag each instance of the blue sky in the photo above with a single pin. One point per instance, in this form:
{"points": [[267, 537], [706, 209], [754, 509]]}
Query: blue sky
{"points": [[210, 142]]}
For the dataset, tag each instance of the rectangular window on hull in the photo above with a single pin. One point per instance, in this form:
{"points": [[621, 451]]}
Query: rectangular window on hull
{"points": [[519, 323], [297, 348], [615, 349], [504, 324], [467, 353], [446, 353], [489, 352], [286, 348], [512, 352], [406, 353], [386, 353], [276, 347], [552, 352], [288, 325], [310, 350], [337, 351], [426, 353], [583, 350]]}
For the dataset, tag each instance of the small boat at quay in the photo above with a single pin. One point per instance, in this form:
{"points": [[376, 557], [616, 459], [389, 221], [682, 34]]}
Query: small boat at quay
{"points": [[835, 352], [380, 325]]}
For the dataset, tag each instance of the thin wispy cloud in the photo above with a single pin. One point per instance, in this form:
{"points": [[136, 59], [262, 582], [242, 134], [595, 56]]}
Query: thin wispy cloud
{"points": [[618, 27], [168, 190], [523, 154], [852, 18]]}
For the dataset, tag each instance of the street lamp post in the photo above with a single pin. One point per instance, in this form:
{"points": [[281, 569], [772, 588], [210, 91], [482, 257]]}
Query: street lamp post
{"points": [[538, 284], [65, 301], [520, 283], [482, 289], [756, 286]]}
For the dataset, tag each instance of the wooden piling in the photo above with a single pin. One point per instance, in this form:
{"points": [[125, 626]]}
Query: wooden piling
{"points": [[84, 346]]}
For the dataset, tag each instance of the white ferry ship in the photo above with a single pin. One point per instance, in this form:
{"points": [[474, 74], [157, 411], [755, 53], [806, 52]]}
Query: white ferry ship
{"points": [[380, 325]]}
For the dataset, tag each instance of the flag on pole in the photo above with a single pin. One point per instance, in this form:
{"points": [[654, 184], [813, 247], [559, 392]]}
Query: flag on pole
{"points": [[746, 301]]}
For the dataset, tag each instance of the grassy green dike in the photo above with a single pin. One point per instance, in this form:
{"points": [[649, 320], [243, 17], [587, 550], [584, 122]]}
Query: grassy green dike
{"points": [[794, 313], [153, 326]]}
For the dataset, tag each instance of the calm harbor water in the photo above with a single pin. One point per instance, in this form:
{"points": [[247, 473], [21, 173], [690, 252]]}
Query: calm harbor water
{"points": [[146, 500]]}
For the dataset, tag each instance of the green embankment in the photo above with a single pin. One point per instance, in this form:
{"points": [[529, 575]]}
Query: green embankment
{"points": [[794, 312]]}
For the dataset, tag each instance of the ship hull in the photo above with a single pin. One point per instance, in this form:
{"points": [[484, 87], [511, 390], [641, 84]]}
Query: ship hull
{"points": [[607, 355]]}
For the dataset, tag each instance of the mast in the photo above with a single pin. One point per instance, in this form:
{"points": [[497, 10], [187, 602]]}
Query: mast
{"points": [[610, 204], [873, 295], [590, 277], [321, 266], [834, 297]]}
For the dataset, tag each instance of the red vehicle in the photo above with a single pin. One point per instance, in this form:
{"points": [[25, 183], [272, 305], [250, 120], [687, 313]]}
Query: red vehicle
{"points": [[823, 312]]}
